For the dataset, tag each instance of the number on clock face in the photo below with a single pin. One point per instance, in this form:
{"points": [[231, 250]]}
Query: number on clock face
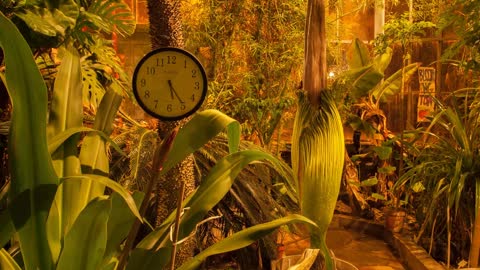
{"points": [[169, 83]]}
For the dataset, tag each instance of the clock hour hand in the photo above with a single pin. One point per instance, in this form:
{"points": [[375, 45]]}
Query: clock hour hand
{"points": [[173, 92]]}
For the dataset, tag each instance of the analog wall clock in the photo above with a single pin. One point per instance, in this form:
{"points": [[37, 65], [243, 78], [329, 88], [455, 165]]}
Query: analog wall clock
{"points": [[169, 83]]}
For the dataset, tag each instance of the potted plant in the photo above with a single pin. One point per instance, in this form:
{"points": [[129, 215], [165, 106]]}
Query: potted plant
{"points": [[395, 217]]}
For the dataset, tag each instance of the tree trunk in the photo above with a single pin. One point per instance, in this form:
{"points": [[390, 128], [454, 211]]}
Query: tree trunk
{"points": [[166, 31]]}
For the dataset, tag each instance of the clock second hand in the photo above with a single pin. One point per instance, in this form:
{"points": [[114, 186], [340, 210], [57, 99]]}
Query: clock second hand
{"points": [[172, 91]]}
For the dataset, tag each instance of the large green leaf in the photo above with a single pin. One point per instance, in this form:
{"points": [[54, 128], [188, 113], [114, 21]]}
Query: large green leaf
{"points": [[66, 109], [6, 227], [50, 21], [93, 154], [67, 112], [111, 15], [55, 142], [359, 56], [125, 194], [120, 221], [7, 262], [243, 238], [364, 80], [216, 185], [144, 259], [381, 62], [198, 131], [383, 152], [85, 243], [34, 182], [54, 230], [211, 190], [392, 84]]}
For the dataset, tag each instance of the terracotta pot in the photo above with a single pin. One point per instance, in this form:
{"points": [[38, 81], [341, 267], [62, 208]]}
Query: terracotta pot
{"points": [[394, 219]]}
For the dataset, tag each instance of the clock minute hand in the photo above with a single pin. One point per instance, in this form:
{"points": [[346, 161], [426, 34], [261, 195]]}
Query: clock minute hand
{"points": [[171, 88], [172, 91]]}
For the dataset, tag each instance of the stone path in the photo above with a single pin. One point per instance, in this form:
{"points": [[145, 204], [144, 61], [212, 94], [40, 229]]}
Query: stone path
{"points": [[364, 251]]}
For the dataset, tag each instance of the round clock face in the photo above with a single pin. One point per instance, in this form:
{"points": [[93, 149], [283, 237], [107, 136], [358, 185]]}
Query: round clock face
{"points": [[169, 83]]}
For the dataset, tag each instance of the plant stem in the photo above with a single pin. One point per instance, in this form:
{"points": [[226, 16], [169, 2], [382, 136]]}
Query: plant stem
{"points": [[177, 224], [475, 246], [449, 237]]}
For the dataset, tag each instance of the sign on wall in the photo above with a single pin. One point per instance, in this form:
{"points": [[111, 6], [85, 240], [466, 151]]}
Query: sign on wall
{"points": [[426, 78]]}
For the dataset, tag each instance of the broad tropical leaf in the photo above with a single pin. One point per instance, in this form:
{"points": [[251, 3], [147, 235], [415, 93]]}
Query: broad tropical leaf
{"points": [[382, 61], [189, 139], [392, 84], [85, 242], [50, 20], [105, 181], [55, 142], [66, 112], [364, 80], [34, 181], [359, 56], [119, 223], [108, 16], [211, 190], [242, 239], [93, 154]]}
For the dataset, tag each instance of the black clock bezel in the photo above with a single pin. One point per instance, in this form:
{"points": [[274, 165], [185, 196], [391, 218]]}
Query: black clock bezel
{"points": [[154, 114]]}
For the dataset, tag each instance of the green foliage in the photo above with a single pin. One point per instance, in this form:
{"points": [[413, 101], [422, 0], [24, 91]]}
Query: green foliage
{"points": [[83, 24], [82, 233], [49, 233], [102, 70], [447, 166], [460, 16], [32, 172], [253, 53], [400, 30], [56, 22], [243, 239], [367, 88]]}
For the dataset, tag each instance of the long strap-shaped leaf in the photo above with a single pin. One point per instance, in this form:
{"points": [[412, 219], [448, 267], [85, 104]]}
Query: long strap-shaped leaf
{"points": [[198, 131], [7, 262], [93, 154], [34, 181], [243, 238], [211, 190], [317, 159], [86, 241], [67, 112]]}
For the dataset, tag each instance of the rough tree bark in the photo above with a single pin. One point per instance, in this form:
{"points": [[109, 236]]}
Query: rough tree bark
{"points": [[166, 30]]}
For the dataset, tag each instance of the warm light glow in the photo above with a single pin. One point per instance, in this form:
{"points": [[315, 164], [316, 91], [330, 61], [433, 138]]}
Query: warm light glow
{"points": [[331, 74]]}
